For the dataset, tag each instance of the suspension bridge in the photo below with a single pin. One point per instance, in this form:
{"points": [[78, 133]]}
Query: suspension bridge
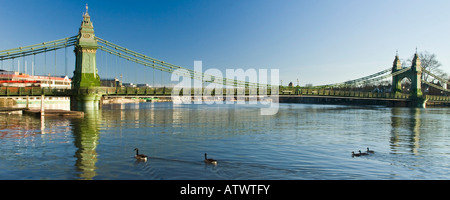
{"points": [[87, 91]]}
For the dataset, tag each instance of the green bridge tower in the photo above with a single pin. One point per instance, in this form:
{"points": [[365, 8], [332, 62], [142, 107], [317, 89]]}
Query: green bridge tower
{"points": [[414, 74], [85, 76]]}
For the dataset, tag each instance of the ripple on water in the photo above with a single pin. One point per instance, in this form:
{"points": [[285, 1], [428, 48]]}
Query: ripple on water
{"points": [[299, 142]]}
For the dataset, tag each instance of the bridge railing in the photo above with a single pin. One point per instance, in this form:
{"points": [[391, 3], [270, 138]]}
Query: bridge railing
{"points": [[340, 93], [438, 98], [165, 91], [34, 91]]}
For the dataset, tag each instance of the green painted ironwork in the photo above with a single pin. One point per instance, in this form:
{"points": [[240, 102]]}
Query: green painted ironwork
{"points": [[413, 73], [86, 73], [148, 61], [37, 48], [163, 91]]}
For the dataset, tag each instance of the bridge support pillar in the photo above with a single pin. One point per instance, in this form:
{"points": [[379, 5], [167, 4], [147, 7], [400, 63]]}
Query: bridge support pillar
{"points": [[419, 103], [28, 102], [85, 101], [42, 104]]}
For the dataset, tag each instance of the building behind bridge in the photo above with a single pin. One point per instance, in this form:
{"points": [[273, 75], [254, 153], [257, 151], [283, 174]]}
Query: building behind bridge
{"points": [[17, 79], [112, 82]]}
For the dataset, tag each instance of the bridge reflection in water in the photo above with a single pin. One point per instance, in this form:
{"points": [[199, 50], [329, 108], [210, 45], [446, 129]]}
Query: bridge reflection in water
{"points": [[405, 128], [405, 134], [419, 131], [399, 134], [100, 146], [86, 135]]}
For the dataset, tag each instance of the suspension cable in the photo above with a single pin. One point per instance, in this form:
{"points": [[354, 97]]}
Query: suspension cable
{"points": [[435, 86], [442, 80], [367, 79], [164, 66], [37, 48]]}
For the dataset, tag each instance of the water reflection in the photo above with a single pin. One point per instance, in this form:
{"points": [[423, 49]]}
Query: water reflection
{"points": [[86, 134], [405, 132], [300, 142], [22, 126]]}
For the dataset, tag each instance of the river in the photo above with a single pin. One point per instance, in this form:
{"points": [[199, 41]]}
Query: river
{"points": [[302, 141]]}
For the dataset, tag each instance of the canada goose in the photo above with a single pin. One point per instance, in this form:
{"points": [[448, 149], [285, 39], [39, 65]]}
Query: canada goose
{"points": [[363, 154], [140, 156], [210, 161], [370, 151], [355, 154]]}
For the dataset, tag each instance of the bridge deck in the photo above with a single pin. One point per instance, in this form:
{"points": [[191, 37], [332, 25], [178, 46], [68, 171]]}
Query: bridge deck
{"points": [[167, 92]]}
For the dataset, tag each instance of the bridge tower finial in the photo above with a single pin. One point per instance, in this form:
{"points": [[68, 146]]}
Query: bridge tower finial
{"points": [[86, 14]]}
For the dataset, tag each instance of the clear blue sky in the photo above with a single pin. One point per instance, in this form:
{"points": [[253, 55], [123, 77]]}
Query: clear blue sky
{"points": [[319, 42]]}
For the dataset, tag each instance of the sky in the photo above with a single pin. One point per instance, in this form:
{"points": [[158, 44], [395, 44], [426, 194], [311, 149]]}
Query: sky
{"points": [[316, 42]]}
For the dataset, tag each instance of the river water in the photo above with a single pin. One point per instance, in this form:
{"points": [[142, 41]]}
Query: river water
{"points": [[302, 141]]}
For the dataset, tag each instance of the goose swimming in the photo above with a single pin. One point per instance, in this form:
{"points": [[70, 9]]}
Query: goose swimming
{"points": [[140, 156], [210, 160]]}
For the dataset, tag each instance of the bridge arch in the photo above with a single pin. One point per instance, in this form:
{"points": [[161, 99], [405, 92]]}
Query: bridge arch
{"points": [[413, 74], [405, 82]]}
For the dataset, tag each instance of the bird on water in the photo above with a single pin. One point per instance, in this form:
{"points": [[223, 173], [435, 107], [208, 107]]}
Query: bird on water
{"points": [[355, 154], [363, 154], [140, 156], [210, 160]]}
